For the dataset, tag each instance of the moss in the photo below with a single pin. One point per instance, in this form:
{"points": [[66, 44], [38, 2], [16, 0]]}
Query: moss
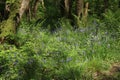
{"points": [[7, 27]]}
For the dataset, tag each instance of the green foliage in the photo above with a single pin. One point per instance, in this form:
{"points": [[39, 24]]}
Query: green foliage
{"points": [[112, 22], [7, 28], [63, 54], [52, 8], [52, 49]]}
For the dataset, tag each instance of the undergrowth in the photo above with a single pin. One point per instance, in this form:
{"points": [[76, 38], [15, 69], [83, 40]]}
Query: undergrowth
{"points": [[63, 54]]}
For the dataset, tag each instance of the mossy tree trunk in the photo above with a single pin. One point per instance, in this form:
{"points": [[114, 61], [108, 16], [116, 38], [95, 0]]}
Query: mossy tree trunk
{"points": [[9, 26]]}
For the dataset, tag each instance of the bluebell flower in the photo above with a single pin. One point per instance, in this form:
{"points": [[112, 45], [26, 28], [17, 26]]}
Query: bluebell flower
{"points": [[69, 59]]}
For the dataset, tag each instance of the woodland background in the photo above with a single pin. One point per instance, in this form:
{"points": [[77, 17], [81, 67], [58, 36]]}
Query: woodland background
{"points": [[59, 39]]}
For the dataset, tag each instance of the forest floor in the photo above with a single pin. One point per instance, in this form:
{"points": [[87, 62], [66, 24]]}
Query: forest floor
{"points": [[112, 74]]}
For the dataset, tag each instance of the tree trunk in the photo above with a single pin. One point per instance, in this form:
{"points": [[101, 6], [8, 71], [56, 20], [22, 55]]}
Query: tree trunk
{"points": [[35, 7], [85, 13], [106, 4], [79, 8], [9, 26], [67, 7], [62, 7], [24, 7], [79, 13]]}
